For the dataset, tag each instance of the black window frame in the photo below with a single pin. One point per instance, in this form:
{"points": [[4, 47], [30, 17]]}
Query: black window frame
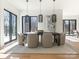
{"points": [[29, 22], [69, 23], [11, 23]]}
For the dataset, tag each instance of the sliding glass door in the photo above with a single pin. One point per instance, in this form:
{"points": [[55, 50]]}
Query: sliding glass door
{"points": [[69, 26], [10, 26]]}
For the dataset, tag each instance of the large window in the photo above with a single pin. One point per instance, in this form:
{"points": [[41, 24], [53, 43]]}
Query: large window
{"points": [[29, 24], [10, 26], [69, 26]]}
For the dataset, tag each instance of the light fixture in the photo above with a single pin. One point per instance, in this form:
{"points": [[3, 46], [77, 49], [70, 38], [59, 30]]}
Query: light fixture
{"points": [[27, 16], [54, 15], [40, 16]]}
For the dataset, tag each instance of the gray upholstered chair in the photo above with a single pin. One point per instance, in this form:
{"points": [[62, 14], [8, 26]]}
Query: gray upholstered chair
{"points": [[33, 40], [47, 39], [62, 39], [20, 38]]}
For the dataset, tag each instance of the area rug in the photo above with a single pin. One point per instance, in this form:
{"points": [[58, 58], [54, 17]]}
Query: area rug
{"points": [[63, 49], [73, 45]]}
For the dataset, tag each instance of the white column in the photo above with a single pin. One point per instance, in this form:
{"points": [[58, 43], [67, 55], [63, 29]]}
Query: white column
{"points": [[1, 23], [19, 23]]}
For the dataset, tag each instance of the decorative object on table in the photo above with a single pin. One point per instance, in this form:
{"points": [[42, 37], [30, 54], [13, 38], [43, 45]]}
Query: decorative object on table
{"points": [[40, 16]]}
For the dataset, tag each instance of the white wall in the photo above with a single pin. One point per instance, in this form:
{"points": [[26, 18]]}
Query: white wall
{"points": [[70, 7], [1, 23], [43, 26]]}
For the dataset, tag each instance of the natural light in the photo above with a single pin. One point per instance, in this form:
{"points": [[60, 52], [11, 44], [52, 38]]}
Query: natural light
{"points": [[4, 50]]}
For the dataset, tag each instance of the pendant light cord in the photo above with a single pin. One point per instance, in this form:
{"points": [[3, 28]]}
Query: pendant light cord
{"points": [[27, 6], [53, 6], [40, 6]]}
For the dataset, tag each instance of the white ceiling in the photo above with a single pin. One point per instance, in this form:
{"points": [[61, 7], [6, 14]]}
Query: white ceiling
{"points": [[34, 4], [68, 6]]}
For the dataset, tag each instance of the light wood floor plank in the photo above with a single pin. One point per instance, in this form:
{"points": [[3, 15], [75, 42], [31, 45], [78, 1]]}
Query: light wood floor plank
{"points": [[37, 56]]}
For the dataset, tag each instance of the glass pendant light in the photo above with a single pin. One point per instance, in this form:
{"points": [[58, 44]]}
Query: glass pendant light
{"points": [[40, 16], [54, 15], [27, 16]]}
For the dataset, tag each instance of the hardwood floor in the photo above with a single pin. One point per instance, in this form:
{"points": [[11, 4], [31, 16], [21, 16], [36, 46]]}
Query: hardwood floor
{"points": [[75, 45], [37, 56]]}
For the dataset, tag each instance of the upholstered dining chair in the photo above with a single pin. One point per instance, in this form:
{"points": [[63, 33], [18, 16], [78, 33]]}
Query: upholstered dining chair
{"points": [[62, 39], [20, 38], [33, 40], [47, 39]]}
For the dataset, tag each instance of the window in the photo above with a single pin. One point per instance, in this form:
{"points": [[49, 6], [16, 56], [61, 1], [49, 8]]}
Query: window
{"points": [[69, 26], [10, 26], [29, 24]]}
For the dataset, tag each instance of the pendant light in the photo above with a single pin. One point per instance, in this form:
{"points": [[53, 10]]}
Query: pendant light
{"points": [[40, 16], [27, 16], [54, 15]]}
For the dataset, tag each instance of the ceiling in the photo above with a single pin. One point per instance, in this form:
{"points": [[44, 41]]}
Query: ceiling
{"points": [[35, 4], [68, 6]]}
